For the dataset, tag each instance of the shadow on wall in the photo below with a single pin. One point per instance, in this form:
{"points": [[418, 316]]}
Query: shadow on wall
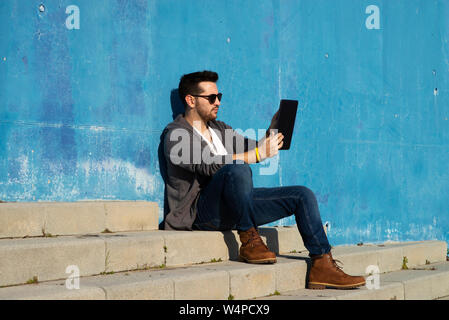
{"points": [[177, 108]]}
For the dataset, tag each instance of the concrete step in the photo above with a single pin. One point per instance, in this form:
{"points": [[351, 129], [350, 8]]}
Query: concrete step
{"points": [[34, 219], [231, 279], [425, 282], [46, 258]]}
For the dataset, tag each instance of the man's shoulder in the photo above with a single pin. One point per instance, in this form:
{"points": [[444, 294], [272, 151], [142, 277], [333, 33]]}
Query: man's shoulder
{"points": [[177, 123]]}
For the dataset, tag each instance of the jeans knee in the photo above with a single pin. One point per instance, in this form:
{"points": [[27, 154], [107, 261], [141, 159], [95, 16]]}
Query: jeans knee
{"points": [[308, 192], [306, 195]]}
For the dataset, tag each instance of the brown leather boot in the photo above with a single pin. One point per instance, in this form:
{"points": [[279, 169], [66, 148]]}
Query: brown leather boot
{"points": [[325, 273], [253, 249]]}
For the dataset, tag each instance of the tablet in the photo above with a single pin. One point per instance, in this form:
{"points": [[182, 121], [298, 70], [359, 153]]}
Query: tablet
{"points": [[286, 121]]}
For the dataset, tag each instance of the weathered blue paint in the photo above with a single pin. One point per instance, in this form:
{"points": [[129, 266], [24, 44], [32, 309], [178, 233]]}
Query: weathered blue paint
{"points": [[81, 111]]}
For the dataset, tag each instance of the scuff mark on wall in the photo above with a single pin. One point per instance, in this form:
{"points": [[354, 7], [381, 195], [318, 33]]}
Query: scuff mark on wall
{"points": [[114, 170]]}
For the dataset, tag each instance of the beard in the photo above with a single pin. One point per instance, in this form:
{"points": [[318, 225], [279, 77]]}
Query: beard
{"points": [[208, 115]]}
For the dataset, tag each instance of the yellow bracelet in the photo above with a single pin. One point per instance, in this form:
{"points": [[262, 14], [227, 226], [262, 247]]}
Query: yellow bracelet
{"points": [[257, 155]]}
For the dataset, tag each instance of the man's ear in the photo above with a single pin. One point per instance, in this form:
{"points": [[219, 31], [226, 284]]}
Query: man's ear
{"points": [[190, 100]]}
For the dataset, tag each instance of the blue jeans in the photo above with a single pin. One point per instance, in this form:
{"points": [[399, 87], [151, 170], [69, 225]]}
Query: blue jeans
{"points": [[230, 202]]}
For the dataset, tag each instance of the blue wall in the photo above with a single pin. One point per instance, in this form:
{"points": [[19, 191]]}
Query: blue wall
{"points": [[81, 110]]}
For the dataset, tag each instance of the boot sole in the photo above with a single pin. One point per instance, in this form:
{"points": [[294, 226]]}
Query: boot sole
{"points": [[321, 286], [260, 261]]}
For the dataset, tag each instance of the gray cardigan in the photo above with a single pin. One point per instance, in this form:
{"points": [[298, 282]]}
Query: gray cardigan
{"points": [[190, 164]]}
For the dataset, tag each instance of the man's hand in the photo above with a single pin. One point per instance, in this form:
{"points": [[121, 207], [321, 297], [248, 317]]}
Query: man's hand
{"points": [[269, 146]]}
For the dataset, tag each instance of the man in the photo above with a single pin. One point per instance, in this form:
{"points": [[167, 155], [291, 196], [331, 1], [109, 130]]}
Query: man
{"points": [[209, 184]]}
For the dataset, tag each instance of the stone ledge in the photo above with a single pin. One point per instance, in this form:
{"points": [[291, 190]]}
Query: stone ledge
{"points": [[48, 257], [424, 282], [245, 281], [34, 219]]}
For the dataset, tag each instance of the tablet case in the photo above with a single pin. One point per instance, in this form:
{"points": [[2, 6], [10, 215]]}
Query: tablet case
{"points": [[286, 120]]}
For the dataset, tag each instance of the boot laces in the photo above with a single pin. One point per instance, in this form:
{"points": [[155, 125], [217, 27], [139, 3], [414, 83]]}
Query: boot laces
{"points": [[255, 239], [338, 267]]}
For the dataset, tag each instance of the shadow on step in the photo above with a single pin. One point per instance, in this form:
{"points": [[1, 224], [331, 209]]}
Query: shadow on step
{"points": [[272, 241], [232, 244]]}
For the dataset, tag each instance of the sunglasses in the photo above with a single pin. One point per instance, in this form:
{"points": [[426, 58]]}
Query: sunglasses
{"points": [[211, 97]]}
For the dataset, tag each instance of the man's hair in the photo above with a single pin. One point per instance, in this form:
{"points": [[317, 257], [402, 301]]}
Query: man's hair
{"points": [[189, 83]]}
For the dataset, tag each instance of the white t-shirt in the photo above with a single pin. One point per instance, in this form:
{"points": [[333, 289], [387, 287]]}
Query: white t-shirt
{"points": [[216, 146]]}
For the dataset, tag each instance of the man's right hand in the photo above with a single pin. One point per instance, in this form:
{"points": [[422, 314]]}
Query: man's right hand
{"points": [[269, 146]]}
